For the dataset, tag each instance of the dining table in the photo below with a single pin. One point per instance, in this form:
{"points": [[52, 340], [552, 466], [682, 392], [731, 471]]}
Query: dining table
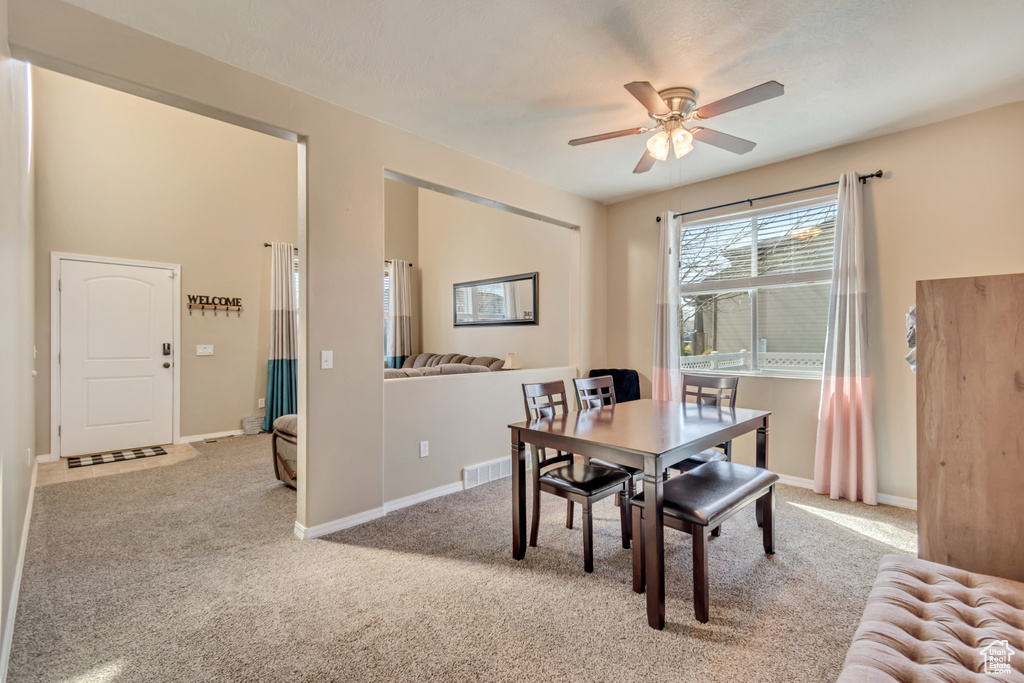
{"points": [[647, 434]]}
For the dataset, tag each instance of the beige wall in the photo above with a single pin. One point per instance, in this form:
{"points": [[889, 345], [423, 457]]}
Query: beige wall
{"points": [[121, 176], [946, 208], [464, 418], [461, 241], [402, 240], [341, 427], [16, 364]]}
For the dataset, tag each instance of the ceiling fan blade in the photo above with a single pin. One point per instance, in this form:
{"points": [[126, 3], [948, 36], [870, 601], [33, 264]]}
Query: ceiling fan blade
{"points": [[646, 163], [759, 93], [648, 96], [608, 136], [727, 142]]}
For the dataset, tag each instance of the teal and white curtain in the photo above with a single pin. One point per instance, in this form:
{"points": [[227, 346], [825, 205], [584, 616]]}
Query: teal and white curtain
{"points": [[282, 367], [399, 334], [665, 379]]}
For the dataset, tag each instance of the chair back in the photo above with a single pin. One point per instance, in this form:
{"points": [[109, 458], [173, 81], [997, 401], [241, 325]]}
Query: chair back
{"points": [[594, 392], [545, 399], [711, 390]]}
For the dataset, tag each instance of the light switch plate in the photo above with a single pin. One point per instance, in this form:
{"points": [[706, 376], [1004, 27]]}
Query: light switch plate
{"points": [[326, 360], [424, 449], [204, 349]]}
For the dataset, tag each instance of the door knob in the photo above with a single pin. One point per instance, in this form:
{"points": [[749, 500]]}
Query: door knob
{"points": [[167, 365]]}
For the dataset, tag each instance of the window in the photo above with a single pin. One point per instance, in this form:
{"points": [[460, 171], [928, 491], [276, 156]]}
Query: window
{"points": [[754, 290], [387, 297]]}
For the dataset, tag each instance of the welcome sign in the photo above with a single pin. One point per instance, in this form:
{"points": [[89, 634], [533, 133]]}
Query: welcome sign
{"points": [[214, 303], [214, 300]]}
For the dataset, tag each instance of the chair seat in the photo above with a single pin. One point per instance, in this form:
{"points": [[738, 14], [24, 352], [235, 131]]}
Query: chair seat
{"points": [[695, 461], [631, 471], [712, 490], [585, 480]]}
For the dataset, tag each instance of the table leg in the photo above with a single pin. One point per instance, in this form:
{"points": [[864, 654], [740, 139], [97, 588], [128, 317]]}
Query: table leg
{"points": [[518, 496], [762, 462], [654, 543]]}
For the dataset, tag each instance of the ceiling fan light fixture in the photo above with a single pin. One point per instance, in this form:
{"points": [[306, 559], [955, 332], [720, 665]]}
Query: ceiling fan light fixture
{"points": [[658, 145], [682, 142]]}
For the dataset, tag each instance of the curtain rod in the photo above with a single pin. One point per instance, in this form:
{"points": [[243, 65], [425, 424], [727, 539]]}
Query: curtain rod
{"points": [[390, 260], [863, 179], [268, 244]]}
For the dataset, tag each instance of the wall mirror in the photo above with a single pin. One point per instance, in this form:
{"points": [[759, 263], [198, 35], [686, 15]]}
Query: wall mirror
{"points": [[508, 300]]}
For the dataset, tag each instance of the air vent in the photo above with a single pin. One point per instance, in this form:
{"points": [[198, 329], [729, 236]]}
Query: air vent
{"points": [[474, 475]]}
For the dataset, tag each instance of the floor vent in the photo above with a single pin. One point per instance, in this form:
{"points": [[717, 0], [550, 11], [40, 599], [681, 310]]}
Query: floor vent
{"points": [[475, 475]]}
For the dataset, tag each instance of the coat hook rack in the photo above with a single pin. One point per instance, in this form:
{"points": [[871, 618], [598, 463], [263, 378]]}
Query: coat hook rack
{"points": [[215, 307]]}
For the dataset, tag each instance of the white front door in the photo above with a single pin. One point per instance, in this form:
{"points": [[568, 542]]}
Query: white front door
{"points": [[116, 383]]}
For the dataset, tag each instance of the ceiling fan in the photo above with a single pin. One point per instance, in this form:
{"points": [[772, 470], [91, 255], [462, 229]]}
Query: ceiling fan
{"points": [[673, 107]]}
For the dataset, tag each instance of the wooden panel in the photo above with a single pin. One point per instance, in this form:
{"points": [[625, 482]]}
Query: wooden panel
{"points": [[970, 423]]}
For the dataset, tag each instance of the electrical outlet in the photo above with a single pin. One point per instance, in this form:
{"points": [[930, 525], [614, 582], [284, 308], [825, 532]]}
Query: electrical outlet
{"points": [[326, 360], [263, 403], [424, 449], [204, 349]]}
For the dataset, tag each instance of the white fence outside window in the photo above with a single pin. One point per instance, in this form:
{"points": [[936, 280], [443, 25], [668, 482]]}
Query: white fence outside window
{"points": [[766, 360]]}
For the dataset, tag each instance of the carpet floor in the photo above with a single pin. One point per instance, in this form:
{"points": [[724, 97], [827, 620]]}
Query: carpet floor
{"points": [[192, 572]]}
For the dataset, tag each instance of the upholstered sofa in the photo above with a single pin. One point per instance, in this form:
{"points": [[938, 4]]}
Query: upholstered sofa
{"points": [[427, 364], [929, 622]]}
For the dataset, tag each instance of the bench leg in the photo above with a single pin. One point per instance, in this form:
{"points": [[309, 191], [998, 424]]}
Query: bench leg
{"points": [[701, 595], [588, 538], [768, 519], [624, 516], [568, 514], [535, 522], [638, 549]]}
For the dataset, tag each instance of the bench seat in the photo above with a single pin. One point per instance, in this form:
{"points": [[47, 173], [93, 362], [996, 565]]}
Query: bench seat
{"points": [[700, 501]]}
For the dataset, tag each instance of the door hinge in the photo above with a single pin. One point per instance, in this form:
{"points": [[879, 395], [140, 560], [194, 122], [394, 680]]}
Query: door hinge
{"points": [[58, 430], [59, 286], [58, 358]]}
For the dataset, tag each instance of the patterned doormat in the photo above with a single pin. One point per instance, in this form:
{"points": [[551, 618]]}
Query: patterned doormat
{"points": [[115, 456]]}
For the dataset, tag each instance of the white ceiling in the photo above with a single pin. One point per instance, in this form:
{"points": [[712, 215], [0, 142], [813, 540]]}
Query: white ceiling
{"points": [[511, 81]]}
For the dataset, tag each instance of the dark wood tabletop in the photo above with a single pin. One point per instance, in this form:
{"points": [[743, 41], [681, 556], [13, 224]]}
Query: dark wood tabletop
{"points": [[648, 427], [649, 434]]}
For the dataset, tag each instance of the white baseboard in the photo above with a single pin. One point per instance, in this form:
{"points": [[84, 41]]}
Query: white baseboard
{"points": [[796, 481], [400, 503], [12, 609], [306, 534], [897, 501], [204, 437], [47, 458], [883, 498], [355, 520]]}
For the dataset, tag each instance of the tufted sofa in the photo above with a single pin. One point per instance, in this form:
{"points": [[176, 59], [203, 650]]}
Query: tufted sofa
{"points": [[427, 364], [929, 622]]}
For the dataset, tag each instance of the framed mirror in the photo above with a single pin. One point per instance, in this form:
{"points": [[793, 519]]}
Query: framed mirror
{"points": [[508, 300]]}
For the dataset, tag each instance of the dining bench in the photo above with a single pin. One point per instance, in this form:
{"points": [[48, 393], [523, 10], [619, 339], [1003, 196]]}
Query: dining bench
{"points": [[697, 503]]}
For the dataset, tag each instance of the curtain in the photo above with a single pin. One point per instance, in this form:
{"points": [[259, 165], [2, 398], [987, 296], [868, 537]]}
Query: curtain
{"points": [[665, 379], [844, 454], [399, 314], [513, 310], [282, 367]]}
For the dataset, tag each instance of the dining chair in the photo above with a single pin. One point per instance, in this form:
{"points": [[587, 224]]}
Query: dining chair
{"points": [[715, 392], [595, 393], [559, 474]]}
